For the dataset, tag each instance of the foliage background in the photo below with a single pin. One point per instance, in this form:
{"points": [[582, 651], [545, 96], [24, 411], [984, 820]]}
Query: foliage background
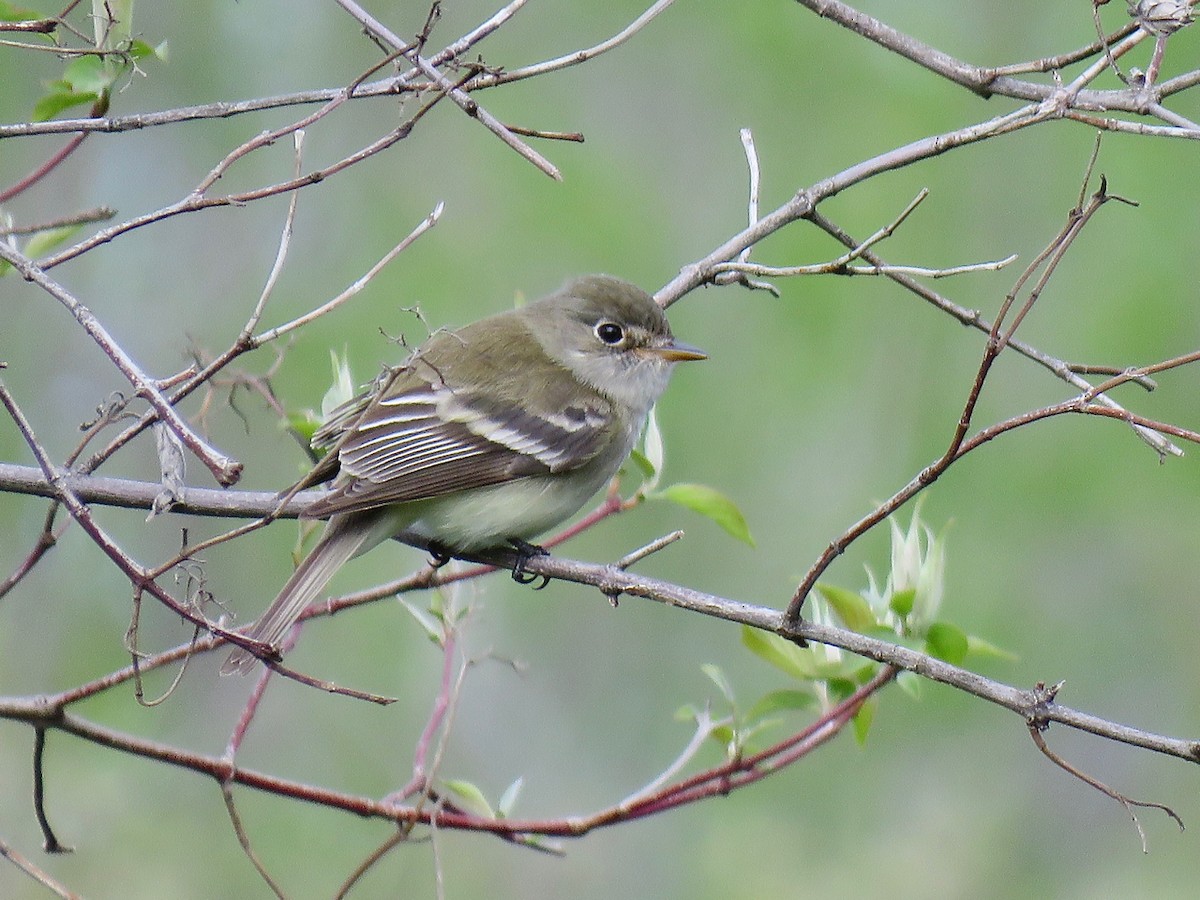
{"points": [[1069, 543]]}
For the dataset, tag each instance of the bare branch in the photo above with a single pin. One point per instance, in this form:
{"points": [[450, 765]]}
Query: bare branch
{"points": [[37, 874], [1037, 726], [428, 222], [491, 79], [459, 96], [225, 470]]}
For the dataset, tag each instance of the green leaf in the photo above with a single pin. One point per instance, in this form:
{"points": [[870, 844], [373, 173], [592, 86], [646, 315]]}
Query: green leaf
{"points": [[979, 647], [713, 504], [717, 677], [902, 601], [853, 609], [437, 606], [783, 655], [644, 466], [749, 735], [55, 102], [841, 688], [864, 673], [46, 240], [946, 642], [470, 797], [140, 50], [88, 74], [11, 13], [723, 735], [508, 799], [910, 683], [863, 719], [430, 623], [305, 423], [781, 701]]}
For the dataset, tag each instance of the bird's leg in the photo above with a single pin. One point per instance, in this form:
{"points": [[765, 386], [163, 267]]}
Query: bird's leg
{"points": [[438, 555], [525, 552]]}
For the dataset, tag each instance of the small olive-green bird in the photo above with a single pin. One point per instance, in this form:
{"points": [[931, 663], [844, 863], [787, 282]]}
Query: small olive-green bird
{"points": [[487, 436]]}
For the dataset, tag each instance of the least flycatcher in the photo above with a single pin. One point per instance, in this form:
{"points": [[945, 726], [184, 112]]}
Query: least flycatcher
{"points": [[486, 436]]}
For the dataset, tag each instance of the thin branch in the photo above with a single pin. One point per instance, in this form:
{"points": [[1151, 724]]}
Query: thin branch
{"points": [[1024, 703], [385, 88], [99, 214], [52, 163], [974, 319], [998, 338], [491, 79], [751, 152], [50, 842], [132, 494], [630, 559], [239, 830], [1036, 727], [31, 26], [374, 27], [983, 81], [196, 202], [285, 242], [1062, 60], [37, 874], [742, 771], [705, 726], [224, 469], [841, 265], [427, 223]]}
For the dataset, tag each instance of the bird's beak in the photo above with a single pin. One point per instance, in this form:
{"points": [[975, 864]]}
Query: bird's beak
{"points": [[676, 351]]}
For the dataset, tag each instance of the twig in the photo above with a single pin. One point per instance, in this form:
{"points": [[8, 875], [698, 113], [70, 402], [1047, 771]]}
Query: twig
{"points": [[1062, 60], [136, 574], [37, 874], [460, 97], [31, 26], [428, 222], [572, 136], [285, 242], [973, 319], [225, 470], [751, 152], [50, 842], [52, 163], [630, 559], [131, 494], [99, 214], [740, 771], [239, 830], [1037, 726], [705, 725], [491, 79], [998, 338]]}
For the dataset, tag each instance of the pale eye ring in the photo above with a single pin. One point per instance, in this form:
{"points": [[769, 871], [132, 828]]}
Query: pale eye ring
{"points": [[610, 333]]}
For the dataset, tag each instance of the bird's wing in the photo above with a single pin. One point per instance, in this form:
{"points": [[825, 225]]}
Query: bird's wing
{"points": [[420, 437]]}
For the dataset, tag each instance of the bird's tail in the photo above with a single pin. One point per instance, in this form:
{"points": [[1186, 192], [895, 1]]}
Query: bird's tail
{"points": [[344, 537]]}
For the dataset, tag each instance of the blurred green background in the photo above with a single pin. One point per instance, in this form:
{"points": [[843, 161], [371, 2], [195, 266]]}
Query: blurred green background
{"points": [[1069, 543]]}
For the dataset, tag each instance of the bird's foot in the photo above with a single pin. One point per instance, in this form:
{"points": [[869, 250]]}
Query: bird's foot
{"points": [[438, 555], [525, 552]]}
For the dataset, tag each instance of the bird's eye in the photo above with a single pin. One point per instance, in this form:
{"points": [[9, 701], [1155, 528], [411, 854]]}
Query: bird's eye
{"points": [[610, 333]]}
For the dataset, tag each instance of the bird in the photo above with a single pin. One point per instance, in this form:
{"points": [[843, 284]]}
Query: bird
{"points": [[485, 437]]}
